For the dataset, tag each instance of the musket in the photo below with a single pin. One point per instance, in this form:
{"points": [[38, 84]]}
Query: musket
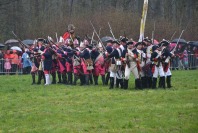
{"points": [[92, 37], [22, 44], [111, 30], [177, 42], [153, 33], [56, 37], [98, 36], [173, 35]]}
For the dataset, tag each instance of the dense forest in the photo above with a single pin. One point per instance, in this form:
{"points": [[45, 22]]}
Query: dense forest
{"points": [[40, 18]]}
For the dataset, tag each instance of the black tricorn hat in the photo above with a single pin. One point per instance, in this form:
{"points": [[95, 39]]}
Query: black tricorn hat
{"points": [[148, 40], [140, 43], [164, 43], [124, 39], [130, 43], [41, 40], [116, 41]]}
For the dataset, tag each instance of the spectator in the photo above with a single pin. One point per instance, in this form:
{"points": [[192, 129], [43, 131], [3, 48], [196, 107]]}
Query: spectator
{"points": [[7, 66], [185, 59], [26, 62], [14, 62]]}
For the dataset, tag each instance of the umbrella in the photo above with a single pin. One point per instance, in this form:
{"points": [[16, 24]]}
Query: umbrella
{"points": [[12, 42], [28, 42], [16, 48], [181, 41], [1, 45], [104, 39], [193, 43]]}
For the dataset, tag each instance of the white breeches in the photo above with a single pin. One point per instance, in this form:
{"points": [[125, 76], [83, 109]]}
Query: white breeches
{"points": [[132, 69], [158, 71]]}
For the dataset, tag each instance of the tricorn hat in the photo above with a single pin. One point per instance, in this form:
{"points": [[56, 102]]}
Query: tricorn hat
{"points": [[140, 43]]}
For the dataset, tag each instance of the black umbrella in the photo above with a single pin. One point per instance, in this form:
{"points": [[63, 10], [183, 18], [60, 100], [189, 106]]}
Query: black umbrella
{"points": [[1, 45], [28, 42], [181, 41], [106, 38], [193, 43]]}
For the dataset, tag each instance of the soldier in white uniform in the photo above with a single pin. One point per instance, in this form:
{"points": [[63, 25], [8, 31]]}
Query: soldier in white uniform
{"points": [[131, 64], [157, 68]]}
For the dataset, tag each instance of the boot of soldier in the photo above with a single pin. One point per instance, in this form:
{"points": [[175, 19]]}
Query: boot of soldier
{"points": [[140, 84], [144, 84], [64, 78], [160, 83], [149, 82], [75, 79], [111, 82], [87, 79], [126, 84], [117, 82], [103, 79], [96, 80], [59, 78], [43, 76], [168, 81], [91, 79], [121, 83], [154, 83], [136, 84], [39, 77], [53, 78], [82, 80], [33, 78], [69, 78], [163, 81], [107, 78]]}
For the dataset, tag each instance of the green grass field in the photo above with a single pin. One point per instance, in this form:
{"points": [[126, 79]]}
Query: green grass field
{"points": [[60, 108]]}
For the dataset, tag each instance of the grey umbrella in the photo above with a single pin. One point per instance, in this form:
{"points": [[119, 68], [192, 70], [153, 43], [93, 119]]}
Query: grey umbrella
{"points": [[28, 42]]}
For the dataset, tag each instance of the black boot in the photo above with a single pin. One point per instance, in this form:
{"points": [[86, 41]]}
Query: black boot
{"points": [[111, 82], [160, 83], [96, 80], [64, 78], [126, 84], [39, 77], [163, 82], [149, 82], [136, 84], [154, 83], [53, 78], [90, 79], [69, 78], [121, 83], [168, 81], [87, 79], [33, 78], [82, 80], [117, 82], [140, 84], [75, 79], [103, 80], [144, 82], [107, 78], [59, 78], [43, 77]]}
